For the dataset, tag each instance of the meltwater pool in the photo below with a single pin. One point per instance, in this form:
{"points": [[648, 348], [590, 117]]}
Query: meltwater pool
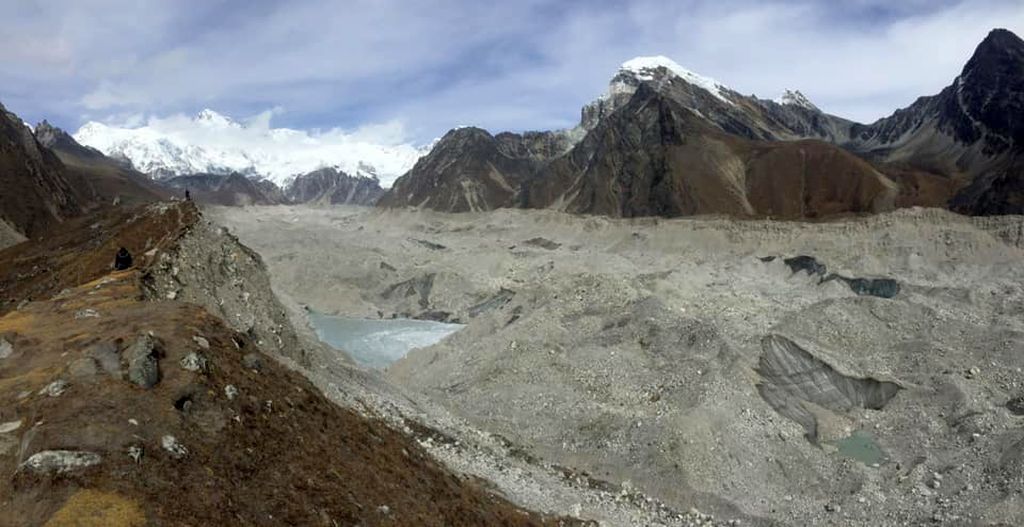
{"points": [[376, 343]]}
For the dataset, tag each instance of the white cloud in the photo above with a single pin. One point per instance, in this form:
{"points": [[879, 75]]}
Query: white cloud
{"points": [[433, 63]]}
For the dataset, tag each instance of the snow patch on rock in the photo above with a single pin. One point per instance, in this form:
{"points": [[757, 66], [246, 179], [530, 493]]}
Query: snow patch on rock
{"points": [[647, 68], [795, 98]]}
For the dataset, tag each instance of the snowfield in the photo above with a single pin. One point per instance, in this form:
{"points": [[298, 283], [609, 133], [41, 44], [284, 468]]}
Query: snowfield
{"points": [[213, 143]]}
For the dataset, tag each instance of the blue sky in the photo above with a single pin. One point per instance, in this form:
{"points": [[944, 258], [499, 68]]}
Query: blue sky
{"points": [[422, 67]]}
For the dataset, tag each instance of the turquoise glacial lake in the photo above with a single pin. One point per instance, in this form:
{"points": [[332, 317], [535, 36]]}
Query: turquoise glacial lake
{"points": [[376, 343]]}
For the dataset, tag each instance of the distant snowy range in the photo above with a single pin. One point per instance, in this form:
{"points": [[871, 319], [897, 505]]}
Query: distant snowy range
{"points": [[211, 143]]}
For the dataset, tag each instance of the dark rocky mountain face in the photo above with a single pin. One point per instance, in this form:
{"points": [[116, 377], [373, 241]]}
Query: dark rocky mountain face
{"points": [[998, 191], [971, 133], [112, 180], [656, 144], [37, 190], [469, 170], [237, 189], [270, 190], [331, 186], [656, 157], [229, 190], [630, 167], [794, 117], [195, 183], [991, 94]]}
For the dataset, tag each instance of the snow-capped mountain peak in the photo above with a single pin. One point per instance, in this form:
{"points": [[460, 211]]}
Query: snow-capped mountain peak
{"points": [[212, 119], [647, 68], [795, 98], [213, 143]]}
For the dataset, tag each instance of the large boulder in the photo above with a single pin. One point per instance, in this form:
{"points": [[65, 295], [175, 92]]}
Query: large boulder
{"points": [[143, 362], [60, 461]]}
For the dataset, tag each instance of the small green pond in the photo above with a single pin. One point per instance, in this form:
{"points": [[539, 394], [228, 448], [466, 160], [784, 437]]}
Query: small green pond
{"points": [[862, 447]]}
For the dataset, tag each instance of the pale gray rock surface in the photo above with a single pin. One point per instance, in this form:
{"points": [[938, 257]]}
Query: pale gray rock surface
{"points": [[633, 351], [54, 462]]}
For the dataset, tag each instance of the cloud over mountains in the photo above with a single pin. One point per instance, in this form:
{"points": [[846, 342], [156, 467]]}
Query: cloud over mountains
{"points": [[433, 64]]}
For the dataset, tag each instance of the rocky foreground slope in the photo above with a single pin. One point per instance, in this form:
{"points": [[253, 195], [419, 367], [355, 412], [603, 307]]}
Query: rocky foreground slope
{"points": [[857, 372], [154, 396]]}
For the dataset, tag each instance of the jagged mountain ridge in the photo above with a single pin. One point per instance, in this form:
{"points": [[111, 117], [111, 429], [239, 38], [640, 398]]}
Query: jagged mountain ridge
{"points": [[469, 169], [959, 149], [791, 117], [656, 157], [981, 113], [56, 139]]}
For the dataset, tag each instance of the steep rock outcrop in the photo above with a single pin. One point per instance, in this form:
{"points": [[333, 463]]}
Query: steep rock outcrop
{"points": [[330, 186], [208, 266], [38, 191], [468, 170], [972, 132]]}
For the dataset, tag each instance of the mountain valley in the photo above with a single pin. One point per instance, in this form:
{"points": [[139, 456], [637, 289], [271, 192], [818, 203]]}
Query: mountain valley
{"points": [[691, 307]]}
